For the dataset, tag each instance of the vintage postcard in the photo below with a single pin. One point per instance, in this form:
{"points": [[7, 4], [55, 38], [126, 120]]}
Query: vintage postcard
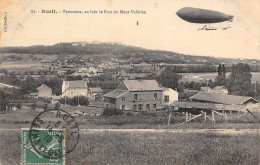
{"points": [[118, 82]]}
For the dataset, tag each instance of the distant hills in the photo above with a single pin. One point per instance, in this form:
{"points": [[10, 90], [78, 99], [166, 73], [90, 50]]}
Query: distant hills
{"points": [[109, 50]]}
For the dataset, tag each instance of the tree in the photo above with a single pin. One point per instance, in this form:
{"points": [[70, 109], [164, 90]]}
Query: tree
{"points": [[221, 80], [239, 81], [29, 85], [168, 78], [4, 101], [55, 84]]}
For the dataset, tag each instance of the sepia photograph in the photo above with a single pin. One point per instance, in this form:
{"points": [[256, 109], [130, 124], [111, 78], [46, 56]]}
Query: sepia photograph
{"points": [[113, 82]]}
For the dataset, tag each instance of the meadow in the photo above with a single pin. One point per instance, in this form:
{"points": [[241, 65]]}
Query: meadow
{"points": [[207, 76], [148, 148], [23, 118]]}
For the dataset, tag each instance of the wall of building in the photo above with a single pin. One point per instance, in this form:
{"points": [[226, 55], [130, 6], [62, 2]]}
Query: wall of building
{"points": [[45, 93], [173, 96], [75, 92], [143, 98]]}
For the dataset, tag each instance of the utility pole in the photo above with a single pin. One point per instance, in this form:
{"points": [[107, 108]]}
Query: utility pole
{"points": [[65, 89], [78, 100]]}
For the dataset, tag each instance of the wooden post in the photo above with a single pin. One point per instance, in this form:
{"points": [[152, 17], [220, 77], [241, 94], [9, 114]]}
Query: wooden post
{"points": [[190, 117], [205, 116], [169, 119], [213, 116], [186, 116], [225, 116], [196, 116]]}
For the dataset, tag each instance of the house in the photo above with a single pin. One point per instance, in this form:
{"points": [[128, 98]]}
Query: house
{"points": [[44, 91], [3, 85], [95, 94], [142, 95], [86, 72], [220, 90], [74, 88], [207, 97], [169, 96], [206, 89], [100, 71]]}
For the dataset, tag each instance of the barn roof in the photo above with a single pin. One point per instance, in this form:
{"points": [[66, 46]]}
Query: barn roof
{"points": [[222, 99], [212, 106]]}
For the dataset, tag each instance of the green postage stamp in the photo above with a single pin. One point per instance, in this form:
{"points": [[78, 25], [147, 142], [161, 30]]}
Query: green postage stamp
{"points": [[43, 146]]}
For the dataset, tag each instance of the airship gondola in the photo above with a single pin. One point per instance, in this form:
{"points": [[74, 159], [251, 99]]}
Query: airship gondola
{"points": [[203, 16]]}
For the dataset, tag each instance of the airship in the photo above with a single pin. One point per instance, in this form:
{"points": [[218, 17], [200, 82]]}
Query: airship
{"points": [[203, 16]]}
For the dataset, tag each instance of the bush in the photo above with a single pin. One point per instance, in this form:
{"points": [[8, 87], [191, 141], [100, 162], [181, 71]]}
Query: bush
{"points": [[33, 106], [111, 112], [57, 106], [77, 100]]}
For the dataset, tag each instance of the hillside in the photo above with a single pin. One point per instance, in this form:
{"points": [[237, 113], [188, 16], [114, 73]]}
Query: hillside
{"points": [[101, 51]]}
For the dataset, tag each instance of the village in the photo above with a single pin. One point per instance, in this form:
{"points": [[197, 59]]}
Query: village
{"points": [[147, 102], [122, 86]]}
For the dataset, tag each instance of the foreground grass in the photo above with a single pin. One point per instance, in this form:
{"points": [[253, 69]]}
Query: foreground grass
{"points": [[149, 148], [23, 119]]}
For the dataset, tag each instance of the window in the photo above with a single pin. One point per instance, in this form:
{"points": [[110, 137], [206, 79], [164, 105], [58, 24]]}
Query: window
{"points": [[154, 106], [123, 107], [135, 96], [123, 98], [155, 96], [166, 98], [148, 107], [134, 107], [140, 107]]}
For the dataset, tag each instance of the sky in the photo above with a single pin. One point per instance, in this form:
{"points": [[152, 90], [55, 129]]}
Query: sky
{"points": [[160, 28]]}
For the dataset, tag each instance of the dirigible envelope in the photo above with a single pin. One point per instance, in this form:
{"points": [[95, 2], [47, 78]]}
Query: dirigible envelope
{"points": [[196, 15]]}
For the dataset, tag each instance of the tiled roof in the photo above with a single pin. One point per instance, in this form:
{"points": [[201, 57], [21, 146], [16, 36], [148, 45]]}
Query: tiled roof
{"points": [[219, 87], [76, 84], [115, 93], [142, 85], [96, 89], [43, 87], [219, 98]]}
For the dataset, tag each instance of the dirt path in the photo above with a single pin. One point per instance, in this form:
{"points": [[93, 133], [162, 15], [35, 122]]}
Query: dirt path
{"points": [[218, 131]]}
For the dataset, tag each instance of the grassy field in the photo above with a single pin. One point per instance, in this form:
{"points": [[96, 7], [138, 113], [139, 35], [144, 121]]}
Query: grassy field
{"points": [[202, 76], [23, 118], [148, 148]]}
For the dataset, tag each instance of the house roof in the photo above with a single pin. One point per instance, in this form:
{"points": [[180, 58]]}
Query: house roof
{"points": [[115, 93], [96, 90], [76, 84], [142, 85], [205, 89], [219, 87], [2, 85], [222, 99], [43, 87]]}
